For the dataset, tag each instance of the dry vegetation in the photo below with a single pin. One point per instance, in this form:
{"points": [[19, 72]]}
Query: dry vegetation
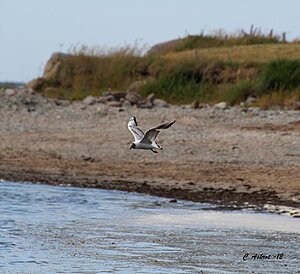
{"points": [[208, 68], [242, 54]]}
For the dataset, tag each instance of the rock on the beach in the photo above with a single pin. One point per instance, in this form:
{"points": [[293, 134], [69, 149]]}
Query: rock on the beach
{"points": [[101, 99], [90, 100], [250, 100], [126, 103], [114, 104], [36, 84], [10, 92], [160, 103], [53, 66], [150, 98], [133, 97], [254, 110], [22, 98], [119, 95], [222, 105], [195, 105], [109, 98], [296, 105]]}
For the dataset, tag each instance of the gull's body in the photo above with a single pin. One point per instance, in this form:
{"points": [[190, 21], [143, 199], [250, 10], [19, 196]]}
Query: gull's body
{"points": [[147, 140]]}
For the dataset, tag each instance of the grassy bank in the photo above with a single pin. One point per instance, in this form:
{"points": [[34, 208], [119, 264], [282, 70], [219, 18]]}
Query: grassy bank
{"points": [[261, 66]]}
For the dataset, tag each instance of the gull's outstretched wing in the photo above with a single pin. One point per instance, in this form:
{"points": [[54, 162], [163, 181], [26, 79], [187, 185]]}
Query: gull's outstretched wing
{"points": [[152, 133], [133, 128]]}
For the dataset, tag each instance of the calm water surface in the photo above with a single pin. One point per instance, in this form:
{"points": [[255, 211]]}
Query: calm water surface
{"points": [[46, 229]]}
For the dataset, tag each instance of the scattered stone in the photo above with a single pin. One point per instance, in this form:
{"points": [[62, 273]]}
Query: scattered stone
{"points": [[114, 104], [53, 66], [61, 102], [119, 95], [15, 107], [222, 105], [10, 92], [106, 93], [250, 100], [33, 101], [150, 99], [195, 105], [90, 100], [254, 110], [126, 103], [160, 103], [296, 105], [145, 105], [133, 98], [22, 98], [173, 201], [101, 100], [108, 98], [36, 84]]}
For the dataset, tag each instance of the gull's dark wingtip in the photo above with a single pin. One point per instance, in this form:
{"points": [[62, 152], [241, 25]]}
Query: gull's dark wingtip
{"points": [[170, 124], [166, 125], [134, 120]]}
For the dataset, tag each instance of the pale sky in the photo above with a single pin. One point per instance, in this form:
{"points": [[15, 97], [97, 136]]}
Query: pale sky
{"points": [[31, 30]]}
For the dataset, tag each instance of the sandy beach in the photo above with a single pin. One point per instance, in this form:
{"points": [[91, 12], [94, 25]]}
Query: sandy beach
{"points": [[234, 156]]}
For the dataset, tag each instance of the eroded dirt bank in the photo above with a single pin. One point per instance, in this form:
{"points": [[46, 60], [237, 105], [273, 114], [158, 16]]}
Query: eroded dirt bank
{"points": [[232, 156]]}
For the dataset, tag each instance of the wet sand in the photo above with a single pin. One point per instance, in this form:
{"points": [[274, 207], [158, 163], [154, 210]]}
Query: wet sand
{"points": [[233, 157]]}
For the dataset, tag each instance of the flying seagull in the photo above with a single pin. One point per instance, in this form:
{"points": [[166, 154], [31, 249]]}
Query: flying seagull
{"points": [[147, 140]]}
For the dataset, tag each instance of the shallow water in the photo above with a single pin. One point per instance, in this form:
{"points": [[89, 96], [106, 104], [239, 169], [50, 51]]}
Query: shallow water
{"points": [[46, 229]]}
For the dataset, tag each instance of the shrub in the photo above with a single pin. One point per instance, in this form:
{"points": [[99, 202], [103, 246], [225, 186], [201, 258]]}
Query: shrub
{"points": [[238, 93], [281, 74], [183, 84]]}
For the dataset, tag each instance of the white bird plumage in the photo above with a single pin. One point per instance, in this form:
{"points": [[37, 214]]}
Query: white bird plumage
{"points": [[147, 140]]}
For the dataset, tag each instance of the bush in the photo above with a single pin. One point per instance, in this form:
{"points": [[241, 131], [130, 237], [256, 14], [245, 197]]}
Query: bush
{"points": [[182, 84], [282, 74], [238, 93]]}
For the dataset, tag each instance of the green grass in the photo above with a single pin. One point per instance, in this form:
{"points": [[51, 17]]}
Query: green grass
{"points": [[235, 94], [281, 74], [177, 88], [69, 94]]}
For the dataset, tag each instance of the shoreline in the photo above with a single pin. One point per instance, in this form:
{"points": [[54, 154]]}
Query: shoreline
{"points": [[233, 157], [226, 196]]}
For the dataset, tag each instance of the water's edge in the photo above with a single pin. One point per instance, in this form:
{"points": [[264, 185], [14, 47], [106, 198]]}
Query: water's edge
{"points": [[226, 198]]}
